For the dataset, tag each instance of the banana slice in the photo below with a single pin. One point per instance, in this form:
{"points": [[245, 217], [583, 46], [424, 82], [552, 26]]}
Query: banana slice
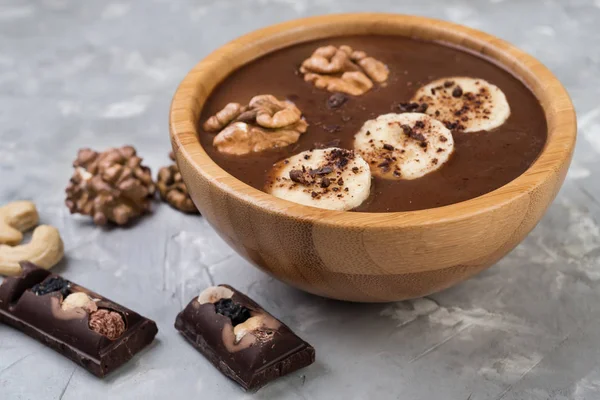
{"points": [[332, 178], [404, 146], [465, 104]]}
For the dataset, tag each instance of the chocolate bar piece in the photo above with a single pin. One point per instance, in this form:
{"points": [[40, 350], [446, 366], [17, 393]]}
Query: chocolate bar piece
{"points": [[91, 330], [241, 339]]}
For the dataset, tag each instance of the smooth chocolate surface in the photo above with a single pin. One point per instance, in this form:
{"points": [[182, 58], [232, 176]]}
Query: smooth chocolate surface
{"points": [[68, 332], [255, 360], [481, 162]]}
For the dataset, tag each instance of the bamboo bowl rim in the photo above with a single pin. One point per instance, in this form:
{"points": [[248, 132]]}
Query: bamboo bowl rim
{"points": [[207, 74]]}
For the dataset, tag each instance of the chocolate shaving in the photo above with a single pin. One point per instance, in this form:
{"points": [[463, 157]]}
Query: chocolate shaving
{"points": [[448, 84], [417, 136], [297, 176], [451, 125], [457, 92], [340, 157], [410, 107], [388, 147], [422, 108], [331, 128], [336, 100], [412, 134], [325, 182], [326, 145], [321, 171]]}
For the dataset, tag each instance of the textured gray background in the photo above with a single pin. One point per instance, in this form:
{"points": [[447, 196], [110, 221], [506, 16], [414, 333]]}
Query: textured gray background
{"points": [[77, 73]]}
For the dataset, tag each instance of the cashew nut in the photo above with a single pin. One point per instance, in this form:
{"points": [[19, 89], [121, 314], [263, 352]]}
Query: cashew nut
{"points": [[16, 217], [45, 250], [213, 294], [252, 324]]}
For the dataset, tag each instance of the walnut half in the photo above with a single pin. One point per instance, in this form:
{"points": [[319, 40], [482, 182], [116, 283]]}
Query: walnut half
{"points": [[263, 124], [343, 70]]}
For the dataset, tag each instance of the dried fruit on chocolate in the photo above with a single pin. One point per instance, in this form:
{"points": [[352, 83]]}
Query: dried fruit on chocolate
{"points": [[237, 313], [172, 189], [50, 285], [336, 100], [110, 186]]}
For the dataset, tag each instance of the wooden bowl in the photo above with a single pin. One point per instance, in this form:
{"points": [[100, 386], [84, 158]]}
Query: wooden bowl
{"points": [[370, 257]]}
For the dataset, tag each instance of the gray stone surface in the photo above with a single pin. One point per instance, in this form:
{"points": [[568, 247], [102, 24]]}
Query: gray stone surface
{"points": [[101, 73]]}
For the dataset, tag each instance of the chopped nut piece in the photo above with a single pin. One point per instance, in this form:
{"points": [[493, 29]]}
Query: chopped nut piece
{"points": [[336, 100], [343, 70], [264, 124]]}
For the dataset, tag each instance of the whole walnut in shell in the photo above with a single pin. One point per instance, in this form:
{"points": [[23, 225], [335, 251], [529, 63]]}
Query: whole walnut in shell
{"points": [[110, 186]]}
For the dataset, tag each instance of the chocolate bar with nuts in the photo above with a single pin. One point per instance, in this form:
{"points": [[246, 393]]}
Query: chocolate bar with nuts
{"points": [[85, 327], [241, 339]]}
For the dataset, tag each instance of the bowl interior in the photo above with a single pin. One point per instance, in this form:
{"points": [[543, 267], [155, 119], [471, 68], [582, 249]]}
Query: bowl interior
{"points": [[199, 83]]}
